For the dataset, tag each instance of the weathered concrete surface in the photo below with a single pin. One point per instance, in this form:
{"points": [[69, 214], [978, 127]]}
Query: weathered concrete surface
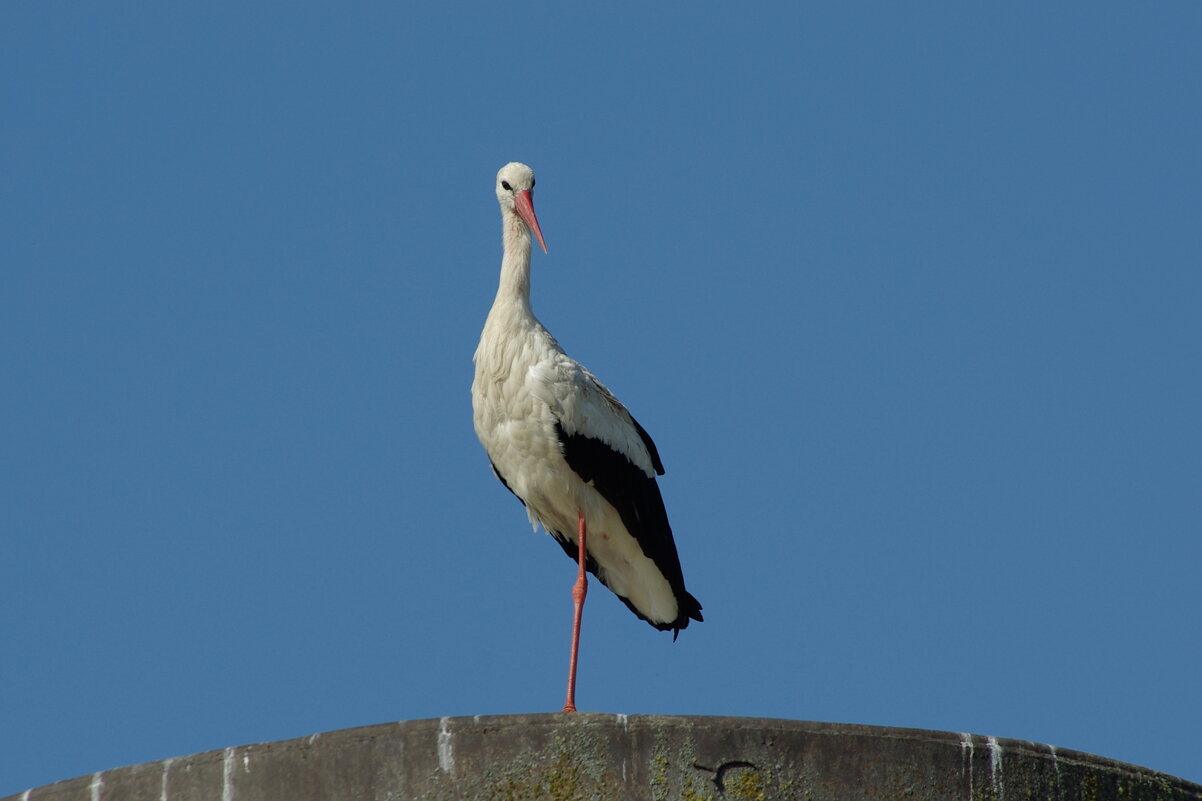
{"points": [[640, 757]]}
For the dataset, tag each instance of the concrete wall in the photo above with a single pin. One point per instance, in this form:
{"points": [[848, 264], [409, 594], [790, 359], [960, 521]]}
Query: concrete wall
{"points": [[643, 757]]}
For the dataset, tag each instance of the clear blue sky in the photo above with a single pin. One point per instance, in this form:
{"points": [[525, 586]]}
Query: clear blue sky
{"points": [[909, 298]]}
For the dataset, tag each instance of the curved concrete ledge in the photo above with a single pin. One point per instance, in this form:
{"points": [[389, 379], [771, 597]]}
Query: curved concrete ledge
{"points": [[637, 757]]}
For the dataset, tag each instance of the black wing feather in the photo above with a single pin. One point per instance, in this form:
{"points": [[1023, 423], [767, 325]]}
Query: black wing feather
{"points": [[655, 462], [638, 501]]}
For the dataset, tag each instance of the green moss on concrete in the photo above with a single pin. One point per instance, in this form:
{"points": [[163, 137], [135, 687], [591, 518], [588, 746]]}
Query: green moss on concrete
{"points": [[571, 768], [746, 785]]}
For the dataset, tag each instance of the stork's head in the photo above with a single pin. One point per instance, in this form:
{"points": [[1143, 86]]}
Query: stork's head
{"points": [[515, 192]]}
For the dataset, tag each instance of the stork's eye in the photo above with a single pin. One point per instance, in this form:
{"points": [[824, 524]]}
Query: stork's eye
{"points": [[532, 182], [505, 185]]}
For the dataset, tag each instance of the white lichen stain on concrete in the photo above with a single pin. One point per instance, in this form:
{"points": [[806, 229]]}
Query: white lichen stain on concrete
{"points": [[446, 754], [1055, 767], [227, 775], [966, 751], [995, 768], [163, 779]]}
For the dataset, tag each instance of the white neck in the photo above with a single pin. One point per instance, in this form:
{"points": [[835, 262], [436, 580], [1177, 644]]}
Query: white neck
{"points": [[515, 264]]}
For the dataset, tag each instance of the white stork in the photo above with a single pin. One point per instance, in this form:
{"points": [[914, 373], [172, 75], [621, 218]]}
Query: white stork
{"points": [[567, 448]]}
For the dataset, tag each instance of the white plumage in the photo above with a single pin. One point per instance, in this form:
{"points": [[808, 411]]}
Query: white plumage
{"points": [[563, 444]]}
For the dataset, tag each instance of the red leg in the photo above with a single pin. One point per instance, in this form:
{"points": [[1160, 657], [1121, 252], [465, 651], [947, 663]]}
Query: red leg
{"points": [[579, 590]]}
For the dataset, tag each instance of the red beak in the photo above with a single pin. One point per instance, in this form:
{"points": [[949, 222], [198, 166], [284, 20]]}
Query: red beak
{"points": [[525, 206]]}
